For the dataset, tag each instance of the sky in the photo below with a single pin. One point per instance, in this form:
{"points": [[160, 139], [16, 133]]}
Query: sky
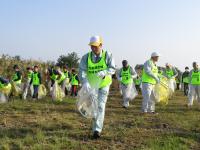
{"points": [[131, 29]]}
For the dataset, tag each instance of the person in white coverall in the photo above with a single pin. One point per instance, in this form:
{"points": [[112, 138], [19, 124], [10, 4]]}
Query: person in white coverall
{"points": [[194, 87], [149, 79], [97, 64], [126, 76]]}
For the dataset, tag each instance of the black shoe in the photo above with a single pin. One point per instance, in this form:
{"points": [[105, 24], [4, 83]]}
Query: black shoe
{"points": [[96, 135]]}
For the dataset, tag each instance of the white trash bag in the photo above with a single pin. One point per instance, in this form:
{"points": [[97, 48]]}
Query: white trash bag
{"points": [[87, 103], [172, 85], [131, 92], [3, 98]]}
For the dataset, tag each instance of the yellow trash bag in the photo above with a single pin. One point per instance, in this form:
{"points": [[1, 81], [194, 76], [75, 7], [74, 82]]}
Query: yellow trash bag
{"points": [[57, 92], [6, 89], [42, 91], [16, 89], [161, 91]]}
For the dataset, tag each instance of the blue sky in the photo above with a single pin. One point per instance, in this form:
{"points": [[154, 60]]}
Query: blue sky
{"points": [[131, 29]]}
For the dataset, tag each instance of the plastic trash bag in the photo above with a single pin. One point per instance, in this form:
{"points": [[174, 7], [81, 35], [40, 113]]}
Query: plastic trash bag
{"points": [[129, 91], [3, 98], [161, 92], [57, 92], [42, 91], [172, 85], [87, 103], [16, 89], [6, 89]]}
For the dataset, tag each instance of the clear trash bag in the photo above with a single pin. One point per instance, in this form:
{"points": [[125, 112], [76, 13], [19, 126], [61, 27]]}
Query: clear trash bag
{"points": [[42, 91], [17, 89], [172, 85], [27, 88], [3, 98], [87, 103], [129, 91], [57, 92], [161, 91]]}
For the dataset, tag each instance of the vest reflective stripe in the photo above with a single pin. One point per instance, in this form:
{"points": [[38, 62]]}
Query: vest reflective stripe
{"points": [[61, 78], [74, 81], [16, 77], [94, 68], [36, 80], [195, 78], [148, 79], [186, 80], [169, 73], [126, 76]]}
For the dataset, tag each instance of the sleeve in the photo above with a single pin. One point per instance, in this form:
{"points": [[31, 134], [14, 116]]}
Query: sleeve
{"points": [[119, 74], [83, 69], [40, 79], [4, 81], [190, 76], [77, 78], [111, 64], [133, 73], [31, 79], [175, 72]]}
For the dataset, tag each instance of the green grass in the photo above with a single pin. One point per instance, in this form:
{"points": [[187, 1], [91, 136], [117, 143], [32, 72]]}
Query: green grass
{"points": [[47, 125]]}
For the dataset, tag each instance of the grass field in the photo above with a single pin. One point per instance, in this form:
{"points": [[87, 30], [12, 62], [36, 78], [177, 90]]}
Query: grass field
{"points": [[47, 125]]}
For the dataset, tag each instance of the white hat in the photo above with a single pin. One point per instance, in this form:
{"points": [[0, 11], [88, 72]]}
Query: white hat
{"points": [[95, 41], [155, 54]]}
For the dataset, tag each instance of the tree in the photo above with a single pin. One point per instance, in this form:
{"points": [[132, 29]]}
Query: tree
{"points": [[71, 60]]}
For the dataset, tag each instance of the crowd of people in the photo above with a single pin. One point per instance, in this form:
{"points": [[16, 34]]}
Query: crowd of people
{"points": [[96, 69]]}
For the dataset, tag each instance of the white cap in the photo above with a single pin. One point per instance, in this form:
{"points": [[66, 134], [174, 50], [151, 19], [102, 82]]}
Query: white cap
{"points": [[95, 41], [155, 54]]}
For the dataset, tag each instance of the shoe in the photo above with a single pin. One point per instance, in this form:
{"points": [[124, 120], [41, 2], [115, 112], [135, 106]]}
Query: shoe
{"points": [[154, 113], [96, 135], [125, 107]]}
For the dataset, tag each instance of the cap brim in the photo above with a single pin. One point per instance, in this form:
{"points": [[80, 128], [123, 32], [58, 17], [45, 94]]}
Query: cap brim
{"points": [[94, 44]]}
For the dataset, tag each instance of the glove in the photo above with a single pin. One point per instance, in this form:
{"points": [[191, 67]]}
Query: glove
{"points": [[87, 86], [101, 74]]}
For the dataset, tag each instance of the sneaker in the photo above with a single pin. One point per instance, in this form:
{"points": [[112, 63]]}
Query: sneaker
{"points": [[96, 135]]}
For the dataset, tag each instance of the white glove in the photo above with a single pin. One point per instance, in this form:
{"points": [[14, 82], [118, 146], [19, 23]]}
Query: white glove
{"points": [[101, 74], [87, 86]]}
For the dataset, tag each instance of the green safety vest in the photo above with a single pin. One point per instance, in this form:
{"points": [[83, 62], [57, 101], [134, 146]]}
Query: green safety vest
{"points": [[177, 80], [195, 78], [74, 81], [1, 85], [148, 79], [126, 76], [169, 73], [94, 68], [61, 78], [186, 80], [36, 80], [29, 75], [53, 76], [66, 74], [137, 81], [15, 77]]}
